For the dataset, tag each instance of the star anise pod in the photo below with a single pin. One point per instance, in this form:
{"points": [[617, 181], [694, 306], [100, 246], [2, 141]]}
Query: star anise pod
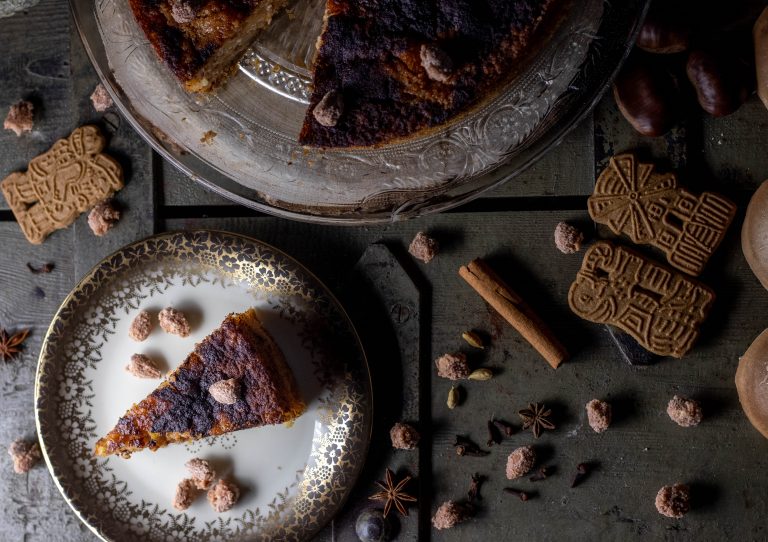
{"points": [[393, 493], [10, 345], [536, 417]]}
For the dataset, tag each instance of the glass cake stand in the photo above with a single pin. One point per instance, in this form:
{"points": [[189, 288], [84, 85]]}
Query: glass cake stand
{"points": [[255, 160]]}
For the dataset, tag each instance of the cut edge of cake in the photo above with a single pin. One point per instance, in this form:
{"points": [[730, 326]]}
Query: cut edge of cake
{"points": [[245, 326]]}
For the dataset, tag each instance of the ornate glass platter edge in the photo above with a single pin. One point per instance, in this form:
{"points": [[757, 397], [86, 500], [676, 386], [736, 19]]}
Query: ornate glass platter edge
{"points": [[73, 349], [254, 159]]}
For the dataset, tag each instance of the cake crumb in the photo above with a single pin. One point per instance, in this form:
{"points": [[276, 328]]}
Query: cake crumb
{"points": [[20, 117], [201, 472], [520, 462], [141, 326], [328, 111], [141, 366], [208, 136], [423, 247], [173, 322], [226, 391], [223, 495], [450, 514], [599, 414], [673, 501], [103, 218], [101, 99], [25, 455], [684, 412], [186, 493], [452, 366], [568, 239], [404, 436]]}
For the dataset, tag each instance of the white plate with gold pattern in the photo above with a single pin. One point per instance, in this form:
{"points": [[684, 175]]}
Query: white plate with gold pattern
{"points": [[293, 479]]}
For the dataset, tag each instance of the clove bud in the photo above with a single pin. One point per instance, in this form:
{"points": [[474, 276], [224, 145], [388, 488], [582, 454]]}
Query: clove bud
{"points": [[582, 470], [522, 495]]}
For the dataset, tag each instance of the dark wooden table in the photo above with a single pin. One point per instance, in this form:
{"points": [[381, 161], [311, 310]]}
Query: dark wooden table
{"points": [[724, 459]]}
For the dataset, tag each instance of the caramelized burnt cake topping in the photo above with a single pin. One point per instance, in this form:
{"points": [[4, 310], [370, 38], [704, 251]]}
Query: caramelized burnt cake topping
{"points": [[182, 408], [401, 66]]}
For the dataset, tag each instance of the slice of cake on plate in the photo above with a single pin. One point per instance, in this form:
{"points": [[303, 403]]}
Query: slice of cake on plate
{"points": [[236, 378]]}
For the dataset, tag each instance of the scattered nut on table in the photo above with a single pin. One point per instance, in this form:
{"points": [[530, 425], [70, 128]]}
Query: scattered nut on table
{"points": [[450, 514], [599, 414], [25, 455], [20, 117], [173, 322], [223, 495], [103, 218], [673, 501], [142, 366], [684, 412], [101, 99], [520, 462], [568, 238], [404, 436], [452, 366], [141, 326], [423, 247]]}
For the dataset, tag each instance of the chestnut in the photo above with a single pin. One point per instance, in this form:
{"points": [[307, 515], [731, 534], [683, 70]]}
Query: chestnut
{"points": [[664, 32], [721, 85], [647, 95]]}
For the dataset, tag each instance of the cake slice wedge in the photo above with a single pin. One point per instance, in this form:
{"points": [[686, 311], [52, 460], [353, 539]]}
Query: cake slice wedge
{"points": [[202, 41], [240, 353]]}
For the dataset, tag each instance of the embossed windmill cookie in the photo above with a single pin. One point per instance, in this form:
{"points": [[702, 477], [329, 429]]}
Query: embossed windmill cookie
{"points": [[68, 179], [649, 207], [661, 308]]}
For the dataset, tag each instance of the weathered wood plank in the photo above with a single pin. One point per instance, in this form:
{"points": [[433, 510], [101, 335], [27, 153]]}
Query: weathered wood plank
{"points": [[642, 452], [35, 66], [137, 199], [31, 507]]}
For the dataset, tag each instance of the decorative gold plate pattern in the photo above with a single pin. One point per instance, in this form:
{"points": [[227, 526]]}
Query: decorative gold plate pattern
{"points": [[68, 391]]}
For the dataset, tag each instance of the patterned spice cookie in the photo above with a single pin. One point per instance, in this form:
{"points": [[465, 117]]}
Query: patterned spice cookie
{"points": [[661, 308], [649, 207], [68, 179]]}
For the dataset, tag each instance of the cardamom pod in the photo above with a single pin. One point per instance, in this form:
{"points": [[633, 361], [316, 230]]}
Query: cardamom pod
{"points": [[473, 339], [481, 374], [453, 397]]}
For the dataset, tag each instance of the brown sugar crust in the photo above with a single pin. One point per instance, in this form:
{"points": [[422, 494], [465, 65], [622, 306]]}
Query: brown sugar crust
{"points": [[203, 46], [370, 51], [181, 408]]}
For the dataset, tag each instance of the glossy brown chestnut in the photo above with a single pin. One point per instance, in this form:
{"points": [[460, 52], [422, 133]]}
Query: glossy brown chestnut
{"points": [[647, 96], [664, 33], [721, 83]]}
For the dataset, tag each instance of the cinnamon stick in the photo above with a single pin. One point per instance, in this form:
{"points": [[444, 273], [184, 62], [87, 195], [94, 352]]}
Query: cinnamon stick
{"points": [[511, 306]]}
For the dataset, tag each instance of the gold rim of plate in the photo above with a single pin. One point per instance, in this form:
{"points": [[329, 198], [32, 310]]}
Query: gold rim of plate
{"points": [[322, 489]]}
